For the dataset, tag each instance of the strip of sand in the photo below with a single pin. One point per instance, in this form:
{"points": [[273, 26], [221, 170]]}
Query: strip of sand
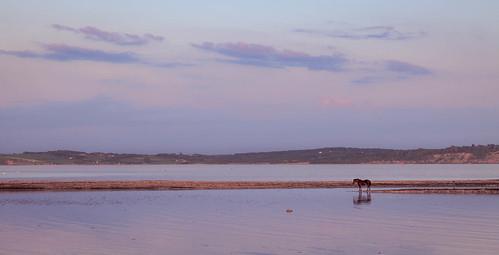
{"points": [[491, 191], [49, 185]]}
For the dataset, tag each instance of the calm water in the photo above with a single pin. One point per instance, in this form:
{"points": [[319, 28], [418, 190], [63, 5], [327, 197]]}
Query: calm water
{"points": [[252, 172], [251, 222], [248, 222]]}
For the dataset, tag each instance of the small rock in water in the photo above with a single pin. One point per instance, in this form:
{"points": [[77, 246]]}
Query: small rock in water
{"points": [[289, 210]]}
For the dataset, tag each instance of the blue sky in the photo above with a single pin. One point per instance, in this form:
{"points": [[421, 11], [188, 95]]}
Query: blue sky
{"points": [[233, 76]]}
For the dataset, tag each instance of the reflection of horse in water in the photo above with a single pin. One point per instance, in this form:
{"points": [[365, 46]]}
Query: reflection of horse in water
{"points": [[362, 182], [362, 199]]}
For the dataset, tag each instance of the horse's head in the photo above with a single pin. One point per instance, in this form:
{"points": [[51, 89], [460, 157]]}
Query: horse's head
{"points": [[355, 181]]}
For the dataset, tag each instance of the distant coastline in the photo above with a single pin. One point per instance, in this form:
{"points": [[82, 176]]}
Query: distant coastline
{"points": [[475, 154]]}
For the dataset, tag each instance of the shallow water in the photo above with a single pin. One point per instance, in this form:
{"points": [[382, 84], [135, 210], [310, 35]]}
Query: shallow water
{"points": [[251, 222], [251, 172]]}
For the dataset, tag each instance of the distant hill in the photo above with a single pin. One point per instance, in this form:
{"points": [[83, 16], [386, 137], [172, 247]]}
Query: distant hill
{"points": [[475, 154]]}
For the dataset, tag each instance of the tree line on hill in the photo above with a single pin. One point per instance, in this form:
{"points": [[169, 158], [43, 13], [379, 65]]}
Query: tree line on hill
{"points": [[334, 155]]}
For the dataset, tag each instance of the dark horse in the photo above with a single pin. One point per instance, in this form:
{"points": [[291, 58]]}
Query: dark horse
{"points": [[362, 182]]}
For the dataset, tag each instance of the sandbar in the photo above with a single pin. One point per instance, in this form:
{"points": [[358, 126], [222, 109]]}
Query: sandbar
{"points": [[451, 186]]}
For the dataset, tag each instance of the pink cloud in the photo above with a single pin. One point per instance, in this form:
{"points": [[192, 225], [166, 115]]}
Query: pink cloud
{"points": [[335, 102], [268, 56]]}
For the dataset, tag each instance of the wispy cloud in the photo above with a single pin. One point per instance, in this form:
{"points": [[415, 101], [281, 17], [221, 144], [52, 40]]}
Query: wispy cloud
{"points": [[268, 56], [406, 68], [392, 70], [364, 33], [371, 79], [63, 52], [123, 39]]}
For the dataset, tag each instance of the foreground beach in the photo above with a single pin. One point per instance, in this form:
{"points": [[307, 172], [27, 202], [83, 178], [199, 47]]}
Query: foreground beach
{"points": [[247, 222], [490, 186]]}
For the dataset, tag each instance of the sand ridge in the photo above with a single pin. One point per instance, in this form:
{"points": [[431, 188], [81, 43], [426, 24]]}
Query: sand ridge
{"points": [[58, 185]]}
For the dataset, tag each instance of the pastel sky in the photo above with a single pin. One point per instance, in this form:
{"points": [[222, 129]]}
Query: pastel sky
{"points": [[236, 76]]}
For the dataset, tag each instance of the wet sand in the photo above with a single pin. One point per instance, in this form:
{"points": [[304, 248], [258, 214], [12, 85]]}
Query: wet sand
{"points": [[453, 186], [491, 191]]}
